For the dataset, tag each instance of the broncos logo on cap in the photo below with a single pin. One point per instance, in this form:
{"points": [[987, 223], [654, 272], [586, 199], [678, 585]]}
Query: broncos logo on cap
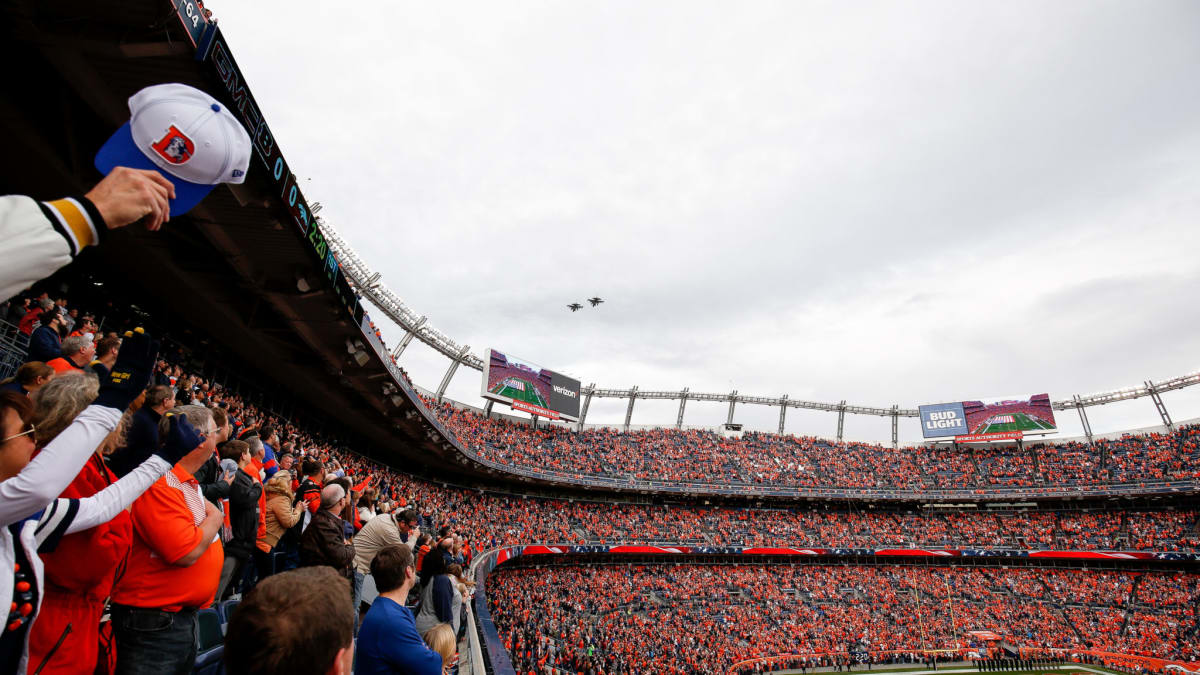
{"points": [[174, 146]]}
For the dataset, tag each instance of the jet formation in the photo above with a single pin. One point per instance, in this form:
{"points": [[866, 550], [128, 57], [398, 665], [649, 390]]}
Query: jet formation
{"points": [[575, 306]]}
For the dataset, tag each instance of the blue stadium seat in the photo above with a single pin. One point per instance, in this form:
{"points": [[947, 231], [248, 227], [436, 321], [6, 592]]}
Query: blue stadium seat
{"points": [[209, 639], [226, 610]]}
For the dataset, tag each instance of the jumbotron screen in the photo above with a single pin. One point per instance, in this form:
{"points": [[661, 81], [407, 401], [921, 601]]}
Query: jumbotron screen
{"points": [[529, 387], [988, 416]]}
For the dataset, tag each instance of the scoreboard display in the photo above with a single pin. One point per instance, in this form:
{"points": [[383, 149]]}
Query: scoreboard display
{"points": [[529, 387], [1009, 415]]}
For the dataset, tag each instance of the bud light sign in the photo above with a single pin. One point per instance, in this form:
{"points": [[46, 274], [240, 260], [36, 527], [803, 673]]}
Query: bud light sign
{"points": [[942, 419]]}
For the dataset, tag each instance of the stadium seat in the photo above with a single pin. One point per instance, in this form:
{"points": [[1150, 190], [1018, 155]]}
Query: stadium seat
{"points": [[209, 647], [226, 609]]}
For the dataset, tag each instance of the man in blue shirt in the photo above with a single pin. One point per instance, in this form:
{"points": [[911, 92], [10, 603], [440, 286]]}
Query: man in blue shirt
{"points": [[388, 642]]}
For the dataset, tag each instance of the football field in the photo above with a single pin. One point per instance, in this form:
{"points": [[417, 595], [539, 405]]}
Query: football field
{"points": [[1011, 422], [519, 389]]}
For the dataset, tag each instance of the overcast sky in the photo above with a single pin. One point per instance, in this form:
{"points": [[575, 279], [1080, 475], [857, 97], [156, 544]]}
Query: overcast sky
{"points": [[877, 202]]}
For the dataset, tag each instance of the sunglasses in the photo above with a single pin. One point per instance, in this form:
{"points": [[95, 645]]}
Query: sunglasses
{"points": [[31, 430]]}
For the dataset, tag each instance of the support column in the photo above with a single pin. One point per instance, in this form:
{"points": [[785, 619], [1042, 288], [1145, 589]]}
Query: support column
{"points": [[732, 402], [487, 409], [629, 410], [407, 339], [683, 397], [587, 402], [533, 422], [841, 419], [454, 364], [1158, 403], [1083, 419], [895, 426], [782, 412]]}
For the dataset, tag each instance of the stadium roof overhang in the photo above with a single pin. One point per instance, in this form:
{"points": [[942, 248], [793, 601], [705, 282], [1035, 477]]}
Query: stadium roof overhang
{"points": [[235, 267]]}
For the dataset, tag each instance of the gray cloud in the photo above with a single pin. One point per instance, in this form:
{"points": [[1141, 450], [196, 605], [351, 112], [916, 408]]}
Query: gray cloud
{"points": [[878, 202]]}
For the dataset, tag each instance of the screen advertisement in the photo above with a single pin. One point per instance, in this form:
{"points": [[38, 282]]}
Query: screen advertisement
{"points": [[942, 419], [527, 386], [1005, 415]]}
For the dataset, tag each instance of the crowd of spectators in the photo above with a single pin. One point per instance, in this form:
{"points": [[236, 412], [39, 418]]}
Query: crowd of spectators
{"points": [[627, 619], [180, 493], [700, 456]]}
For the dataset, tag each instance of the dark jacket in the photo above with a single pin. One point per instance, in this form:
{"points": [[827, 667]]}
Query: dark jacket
{"points": [[243, 515], [140, 442], [44, 345], [211, 484], [323, 543]]}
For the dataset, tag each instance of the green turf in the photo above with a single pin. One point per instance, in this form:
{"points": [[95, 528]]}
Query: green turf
{"points": [[530, 395], [1021, 422]]}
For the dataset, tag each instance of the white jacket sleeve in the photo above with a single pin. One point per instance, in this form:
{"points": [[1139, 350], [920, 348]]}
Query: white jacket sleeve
{"points": [[41, 237], [106, 504], [44, 479]]}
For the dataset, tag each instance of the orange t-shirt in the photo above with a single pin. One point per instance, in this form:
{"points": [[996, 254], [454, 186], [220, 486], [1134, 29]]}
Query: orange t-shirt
{"points": [[61, 365], [166, 527]]}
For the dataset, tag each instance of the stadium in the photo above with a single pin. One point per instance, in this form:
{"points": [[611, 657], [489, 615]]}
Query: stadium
{"points": [[582, 546]]}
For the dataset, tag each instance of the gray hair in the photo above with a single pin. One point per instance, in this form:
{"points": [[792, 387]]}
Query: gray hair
{"points": [[46, 303], [197, 415], [256, 446], [331, 495], [74, 345], [58, 402]]}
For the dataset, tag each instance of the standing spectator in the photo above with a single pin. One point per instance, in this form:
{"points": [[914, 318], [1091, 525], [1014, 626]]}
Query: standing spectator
{"points": [[86, 325], [244, 492], [29, 378], [106, 355], [440, 601], [293, 622], [383, 530], [45, 344], [269, 440], [174, 566], [282, 511], [324, 541], [441, 639], [77, 352], [213, 483], [69, 625], [29, 320], [68, 316], [388, 642], [142, 436], [309, 490]]}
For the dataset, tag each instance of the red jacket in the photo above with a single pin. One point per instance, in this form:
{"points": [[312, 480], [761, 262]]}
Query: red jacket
{"points": [[75, 592]]}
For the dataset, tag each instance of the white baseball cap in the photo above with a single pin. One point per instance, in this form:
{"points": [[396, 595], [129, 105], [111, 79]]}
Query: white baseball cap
{"points": [[184, 134]]}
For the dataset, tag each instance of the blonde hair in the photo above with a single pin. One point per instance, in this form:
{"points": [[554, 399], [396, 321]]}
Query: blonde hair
{"points": [[59, 401], [280, 484], [440, 639]]}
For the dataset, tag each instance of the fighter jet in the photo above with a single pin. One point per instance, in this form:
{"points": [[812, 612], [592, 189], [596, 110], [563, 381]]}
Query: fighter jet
{"points": [[595, 301], [574, 306]]}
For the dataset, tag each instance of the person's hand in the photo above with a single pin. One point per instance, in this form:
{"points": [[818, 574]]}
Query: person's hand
{"points": [[228, 479], [130, 373], [182, 439], [211, 511], [127, 195]]}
